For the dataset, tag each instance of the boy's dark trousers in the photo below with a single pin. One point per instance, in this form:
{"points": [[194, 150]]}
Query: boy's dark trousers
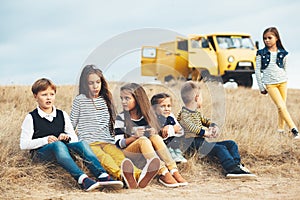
{"points": [[225, 151], [173, 142]]}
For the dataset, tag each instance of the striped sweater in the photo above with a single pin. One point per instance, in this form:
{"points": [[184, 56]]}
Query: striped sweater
{"points": [[272, 74], [193, 122], [91, 118], [120, 129]]}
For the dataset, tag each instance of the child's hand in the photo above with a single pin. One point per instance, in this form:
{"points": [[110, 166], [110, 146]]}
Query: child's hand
{"points": [[51, 139], [214, 131], [139, 131], [164, 131], [208, 134], [177, 128], [151, 131], [63, 137]]}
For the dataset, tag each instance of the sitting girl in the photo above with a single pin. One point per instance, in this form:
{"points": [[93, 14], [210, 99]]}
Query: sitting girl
{"points": [[136, 133]]}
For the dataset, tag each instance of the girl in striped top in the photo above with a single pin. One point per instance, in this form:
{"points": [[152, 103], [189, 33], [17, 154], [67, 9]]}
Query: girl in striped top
{"points": [[136, 133], [271, 62], [93, 116]]}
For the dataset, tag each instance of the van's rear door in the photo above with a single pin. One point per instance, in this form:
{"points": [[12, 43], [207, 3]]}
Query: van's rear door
{"points": [[148, 61]]}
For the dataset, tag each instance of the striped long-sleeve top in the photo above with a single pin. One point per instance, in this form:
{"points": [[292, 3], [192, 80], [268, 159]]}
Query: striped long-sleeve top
{"points": [[272, 74], [120, 129], [91, 119], [193, 122]]}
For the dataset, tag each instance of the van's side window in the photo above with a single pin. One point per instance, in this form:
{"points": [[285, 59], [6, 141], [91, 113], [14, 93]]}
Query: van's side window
{"points": [[182, 45]]}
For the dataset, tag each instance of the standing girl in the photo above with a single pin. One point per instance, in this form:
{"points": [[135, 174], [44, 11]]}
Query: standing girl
{"points": [[136, 131], [271, 61], [171, 130], [93, 115]]}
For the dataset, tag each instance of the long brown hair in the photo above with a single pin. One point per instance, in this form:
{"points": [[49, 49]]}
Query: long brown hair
{"points": [[104, 91], [143, 106], [276, 34]]}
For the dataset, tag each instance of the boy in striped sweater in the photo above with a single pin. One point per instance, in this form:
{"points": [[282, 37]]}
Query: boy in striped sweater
{"points": [[197, 127]]}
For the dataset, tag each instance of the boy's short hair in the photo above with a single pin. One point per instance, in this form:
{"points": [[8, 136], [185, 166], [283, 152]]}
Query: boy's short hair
{"points": [[41, 85], [188, 91]]}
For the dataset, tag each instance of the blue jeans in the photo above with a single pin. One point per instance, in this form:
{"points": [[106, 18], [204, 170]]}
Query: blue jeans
{"points": [[226, 151], [61, 153]]}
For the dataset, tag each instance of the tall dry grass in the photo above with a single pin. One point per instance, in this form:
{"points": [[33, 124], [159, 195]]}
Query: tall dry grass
{"points": [[248, 118]]}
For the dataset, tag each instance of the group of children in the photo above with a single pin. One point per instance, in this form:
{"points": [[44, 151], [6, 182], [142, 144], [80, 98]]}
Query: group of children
{"points": [[132, 147]]}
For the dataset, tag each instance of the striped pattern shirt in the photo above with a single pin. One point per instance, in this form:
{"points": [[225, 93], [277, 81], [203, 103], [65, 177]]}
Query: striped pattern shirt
{"points": [[120, 129], [193, 122], [272, 74], [91, 118]]}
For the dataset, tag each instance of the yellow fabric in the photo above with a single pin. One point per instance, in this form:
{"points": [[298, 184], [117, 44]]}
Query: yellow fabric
{"points": [[278, 93], [150, 148], [111, 157]]}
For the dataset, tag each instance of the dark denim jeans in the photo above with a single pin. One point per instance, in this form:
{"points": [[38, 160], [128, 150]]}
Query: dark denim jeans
{"points": [[226, 151], [61, 153], [173, 142]]}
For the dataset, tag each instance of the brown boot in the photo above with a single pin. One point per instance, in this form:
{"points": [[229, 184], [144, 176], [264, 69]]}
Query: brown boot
{"points": [[168, 180], [180, 180]]}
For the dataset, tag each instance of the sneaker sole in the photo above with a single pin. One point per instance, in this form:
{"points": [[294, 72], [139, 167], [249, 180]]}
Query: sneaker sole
{"points": [[168, 185], [152, 169], [111, 184], [127, 171], [183, 184], [241, 176]]}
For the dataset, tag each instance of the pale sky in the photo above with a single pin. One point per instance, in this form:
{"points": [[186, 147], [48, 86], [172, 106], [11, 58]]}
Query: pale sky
{"points": [[55, 38]]}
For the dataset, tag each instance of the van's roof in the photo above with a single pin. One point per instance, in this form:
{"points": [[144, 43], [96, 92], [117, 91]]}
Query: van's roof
{"points": [[228, 33]]}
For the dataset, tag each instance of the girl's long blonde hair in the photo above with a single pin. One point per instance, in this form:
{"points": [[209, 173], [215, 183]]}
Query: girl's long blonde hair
{"points": [[143, 106]]}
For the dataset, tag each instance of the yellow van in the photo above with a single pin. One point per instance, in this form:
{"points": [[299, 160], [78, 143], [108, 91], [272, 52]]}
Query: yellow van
{"points": [[225, 55]]}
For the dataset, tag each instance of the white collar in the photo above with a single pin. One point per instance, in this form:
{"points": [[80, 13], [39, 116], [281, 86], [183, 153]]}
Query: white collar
{"points": [[46, 115]]}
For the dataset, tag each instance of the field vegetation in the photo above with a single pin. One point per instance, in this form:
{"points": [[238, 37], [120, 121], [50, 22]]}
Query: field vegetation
{"points": [[243, 115]]}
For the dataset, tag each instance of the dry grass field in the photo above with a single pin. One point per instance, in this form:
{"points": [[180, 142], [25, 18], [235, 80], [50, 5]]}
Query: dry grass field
{"points": [[243, 114]]}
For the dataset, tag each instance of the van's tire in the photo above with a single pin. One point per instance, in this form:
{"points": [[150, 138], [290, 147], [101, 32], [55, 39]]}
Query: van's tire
{"points": [[245, 81]]}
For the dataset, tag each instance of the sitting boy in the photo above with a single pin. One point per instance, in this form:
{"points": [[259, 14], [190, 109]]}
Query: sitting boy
{"points": [[197, 128]]}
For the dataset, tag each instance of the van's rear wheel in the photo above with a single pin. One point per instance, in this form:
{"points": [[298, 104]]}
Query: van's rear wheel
{"points": [[245, 81]]}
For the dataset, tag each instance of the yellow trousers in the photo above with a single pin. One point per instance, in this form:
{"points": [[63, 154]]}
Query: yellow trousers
{"points": [[278, 93], [150, 148], [111, 157]]}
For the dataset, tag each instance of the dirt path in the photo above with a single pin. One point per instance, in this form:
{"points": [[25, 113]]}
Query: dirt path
{"points": [[261, 188]]}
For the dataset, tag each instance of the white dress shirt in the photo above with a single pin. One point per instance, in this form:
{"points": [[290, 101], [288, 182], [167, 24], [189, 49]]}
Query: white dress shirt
{"points": [[26, 141]]}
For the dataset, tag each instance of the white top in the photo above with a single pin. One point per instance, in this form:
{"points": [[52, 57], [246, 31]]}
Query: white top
{"points": [[171, 131], [26, 141], [273, 74]]}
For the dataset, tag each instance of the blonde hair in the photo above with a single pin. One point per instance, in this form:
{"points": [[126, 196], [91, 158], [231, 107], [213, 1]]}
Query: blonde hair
{"points": [[188, 90], [142, 105]]}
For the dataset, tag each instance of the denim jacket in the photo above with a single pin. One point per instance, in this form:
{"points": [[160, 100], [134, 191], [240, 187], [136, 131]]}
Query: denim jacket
{"points": [[265, 57]]}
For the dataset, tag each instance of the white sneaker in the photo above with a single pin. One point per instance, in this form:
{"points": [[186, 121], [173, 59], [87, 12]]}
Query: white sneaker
{"points": [[180, 156], [174, 155]]}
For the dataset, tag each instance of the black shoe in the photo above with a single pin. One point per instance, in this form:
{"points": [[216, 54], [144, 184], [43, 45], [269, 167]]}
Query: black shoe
{"points": [[89, 184], [239, 171], [295, 133]]}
